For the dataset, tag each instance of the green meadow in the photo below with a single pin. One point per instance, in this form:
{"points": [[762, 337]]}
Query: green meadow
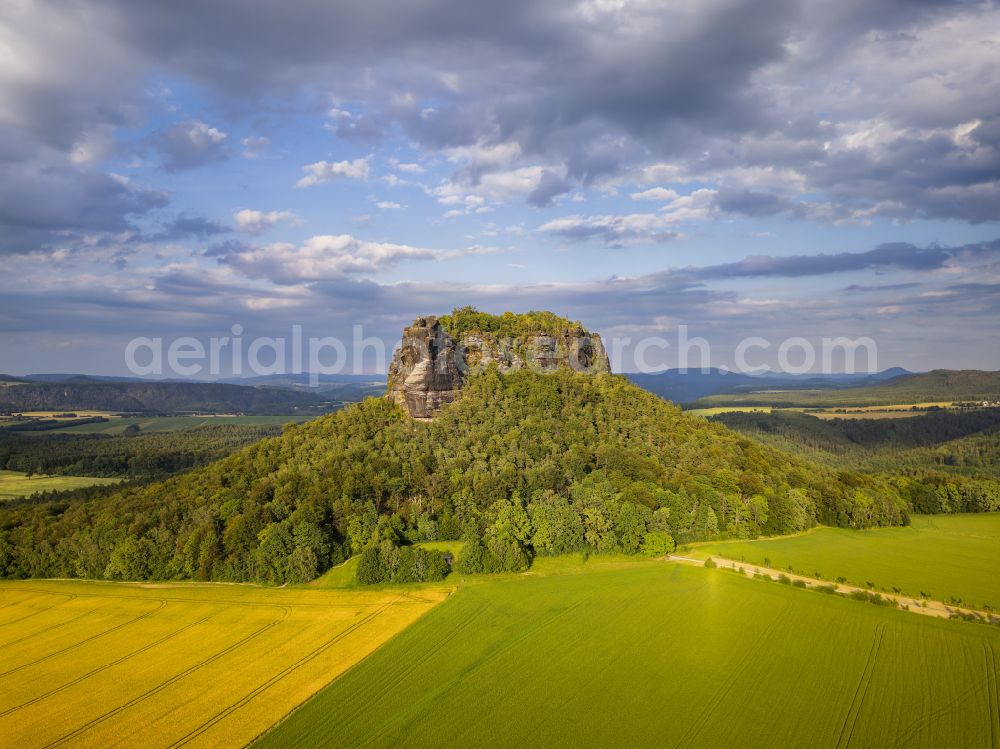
{"points": [[945, 557], [14, 484], [627, 653]]}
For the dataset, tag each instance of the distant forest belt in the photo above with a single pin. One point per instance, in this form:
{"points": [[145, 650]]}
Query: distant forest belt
{"points": [[90, 664]]}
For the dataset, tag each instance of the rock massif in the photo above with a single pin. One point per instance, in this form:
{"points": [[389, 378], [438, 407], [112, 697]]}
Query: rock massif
{"points": [[430, 366]]}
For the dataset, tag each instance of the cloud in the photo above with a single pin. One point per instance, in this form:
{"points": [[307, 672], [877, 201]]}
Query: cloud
{"points": [[324, 171], [638, 228], [327, 257], [591, 91], [388, 205], [614, 231], [52, 203], [191, 144], [255, 222], [254, 146], [898, 255], [188, 227], [550, 185], [655, 193]]}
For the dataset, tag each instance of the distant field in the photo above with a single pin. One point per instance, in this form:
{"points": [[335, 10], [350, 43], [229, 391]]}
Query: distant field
{"points": [[101, 664], [861, 412], [173, 423], [76, 414], [944, 556], [729, 409], [655, 654], [897, 414], [14, 484]]}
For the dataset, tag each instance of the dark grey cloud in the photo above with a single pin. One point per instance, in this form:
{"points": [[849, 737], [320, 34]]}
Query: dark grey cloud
{"points": [[753, 203], [898, 255], [856, 288], [550, 186], [188, 227], [45, 205], [190, 144]]}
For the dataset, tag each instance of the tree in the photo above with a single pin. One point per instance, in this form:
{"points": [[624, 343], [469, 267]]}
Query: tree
{"points": [[658, 544]]}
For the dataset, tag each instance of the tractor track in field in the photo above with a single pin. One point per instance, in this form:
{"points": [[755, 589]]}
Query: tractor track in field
{"points": [[105, 667], [993, 695], [53, 654], [478, 664], [37, 632], [193, 734], [903, 738], [861, 690], [411, 667], [168, 682], [67, 596], [699, 723]]}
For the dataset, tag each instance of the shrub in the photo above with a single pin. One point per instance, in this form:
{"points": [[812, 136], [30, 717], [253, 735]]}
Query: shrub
{"points": [[710, 563], [657, 544]]}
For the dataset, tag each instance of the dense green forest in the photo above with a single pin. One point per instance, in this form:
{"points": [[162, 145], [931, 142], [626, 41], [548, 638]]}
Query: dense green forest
{"points": [[153, 454], [948, 461], [157, 397], [940, 385], [520, 465]]}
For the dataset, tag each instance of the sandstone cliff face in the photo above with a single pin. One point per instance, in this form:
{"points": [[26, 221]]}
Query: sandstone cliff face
{"points": [[430, 367]]}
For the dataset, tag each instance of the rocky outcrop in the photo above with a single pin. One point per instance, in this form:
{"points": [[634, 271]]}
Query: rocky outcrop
{"points": [[430, 366], [424, 374]]}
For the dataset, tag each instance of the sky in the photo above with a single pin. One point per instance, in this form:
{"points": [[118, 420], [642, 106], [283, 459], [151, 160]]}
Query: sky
{"points": [[784, 170]]}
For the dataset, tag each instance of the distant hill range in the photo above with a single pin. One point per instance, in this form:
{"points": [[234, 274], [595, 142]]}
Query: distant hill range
{"points": [[937, 386], [83, 392], [687, 385]]}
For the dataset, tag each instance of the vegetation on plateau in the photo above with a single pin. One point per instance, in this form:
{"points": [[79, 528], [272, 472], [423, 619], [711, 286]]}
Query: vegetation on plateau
{"points": [[508, 325]]}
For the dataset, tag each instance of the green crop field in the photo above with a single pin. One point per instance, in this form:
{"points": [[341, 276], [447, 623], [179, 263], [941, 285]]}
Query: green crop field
{"points": [[171, 423], [944, 556], [96, 664], [655, 654], [14, 484]]}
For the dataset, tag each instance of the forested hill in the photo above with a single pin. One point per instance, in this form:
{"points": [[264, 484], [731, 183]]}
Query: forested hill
{"points": [[965, 442], [155, 397], [519, 465], [940, 385]]}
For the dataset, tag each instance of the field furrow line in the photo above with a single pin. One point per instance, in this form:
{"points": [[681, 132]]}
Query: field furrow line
{"points": [[69, 597], [38, 632], [861, 690], [106, 666], [84, 641], [397, 676], [903, 738], [730, 681], [480, 664], [993, 696], [163, 685], [280, 675]]}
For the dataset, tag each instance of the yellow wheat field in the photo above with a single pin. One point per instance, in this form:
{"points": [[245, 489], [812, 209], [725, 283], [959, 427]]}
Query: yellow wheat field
{"points": [[106, 664]]}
